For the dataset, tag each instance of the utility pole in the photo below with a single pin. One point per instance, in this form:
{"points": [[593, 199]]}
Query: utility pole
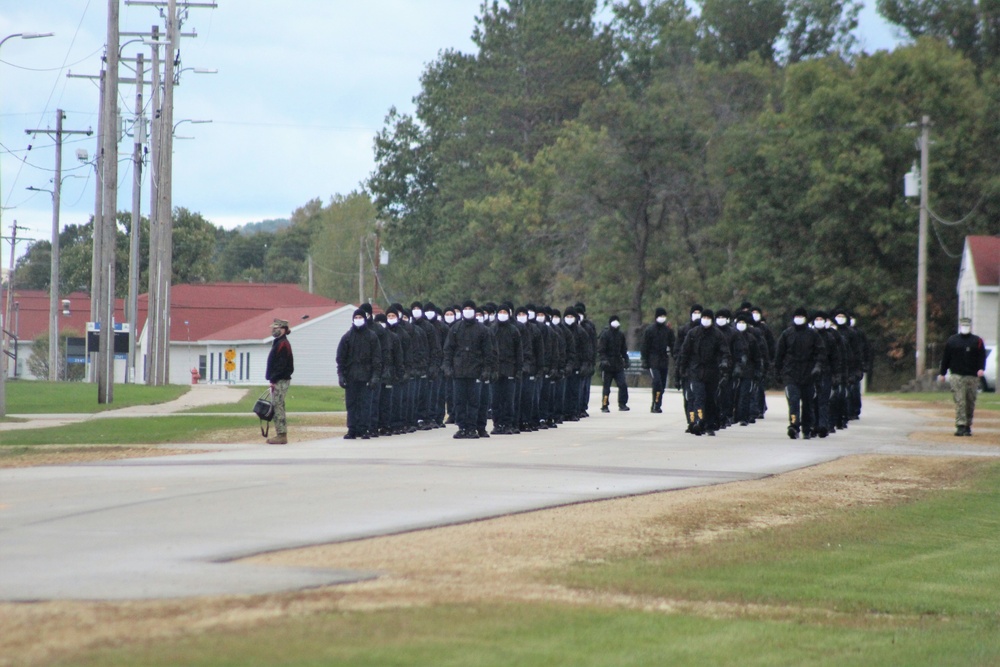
{"points": [[361, 272], [5, 322], [54, 269], [138, 139], [152, 302], [164, 214], [925, 131], [109, 222]]}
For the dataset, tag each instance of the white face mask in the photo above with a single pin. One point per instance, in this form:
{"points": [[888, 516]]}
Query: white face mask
{"points": [[799, 321], [417, 313], [449, 319], [383, 325], [392, 321], [695, 316], [556, 320], [468, 314], [661, 320], [706, 322], [531, 314], [965, 329], [432, 315], [523, 319], [359, 322], [492, 317], [502, 317], [841, 320], [721, 321], [756, 316], [741, 326], [480, 318], [570, 320], [540, 319], [853, 322], [615, 324], [819, 324]]}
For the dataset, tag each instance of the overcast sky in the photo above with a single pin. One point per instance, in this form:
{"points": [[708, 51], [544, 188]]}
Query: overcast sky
{"points": [[302, 87]]}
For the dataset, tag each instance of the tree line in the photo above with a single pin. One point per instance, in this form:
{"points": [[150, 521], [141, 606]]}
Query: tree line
{"points": [[749, 151]]}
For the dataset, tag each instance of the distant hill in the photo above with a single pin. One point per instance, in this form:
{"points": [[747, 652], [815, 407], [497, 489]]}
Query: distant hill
{"points": [[252, 228]]}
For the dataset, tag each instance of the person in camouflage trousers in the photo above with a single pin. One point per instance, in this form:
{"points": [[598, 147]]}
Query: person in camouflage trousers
{"points": [[280, 366], [965, 358]]}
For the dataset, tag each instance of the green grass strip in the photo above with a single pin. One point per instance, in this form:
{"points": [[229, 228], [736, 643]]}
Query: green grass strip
{"points": [[131, 431], [299, 399], [43, 397]]}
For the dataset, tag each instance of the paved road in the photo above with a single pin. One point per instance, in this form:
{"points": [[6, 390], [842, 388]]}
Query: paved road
{"points": [[168, 526]]}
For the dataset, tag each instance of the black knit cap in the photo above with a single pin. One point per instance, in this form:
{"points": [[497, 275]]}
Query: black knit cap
{"points": [[744, 316], [468, 303], [800, 312], [430, 307], [820, 315], [614, 318], [367, 307], [707, 313], [580, 307], [746, 305], [697, 307], [553, 312], [507, 306], [725, 312], [417, 304], [380, 317], [661, 312], [570, 311], [359, 312], [521, 310]]}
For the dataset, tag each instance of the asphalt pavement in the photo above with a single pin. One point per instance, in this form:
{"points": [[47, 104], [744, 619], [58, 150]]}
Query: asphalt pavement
{"points": [[172, 526]]}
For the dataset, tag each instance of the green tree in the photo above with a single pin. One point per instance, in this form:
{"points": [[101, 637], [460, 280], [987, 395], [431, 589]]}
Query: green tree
{"points": [[193, 247], [733, 30], [970, 26], [814, 210], [38, 363], [345, 237]]}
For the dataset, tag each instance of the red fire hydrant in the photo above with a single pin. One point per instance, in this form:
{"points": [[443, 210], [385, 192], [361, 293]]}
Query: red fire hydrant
{"points": [[195, 376]]}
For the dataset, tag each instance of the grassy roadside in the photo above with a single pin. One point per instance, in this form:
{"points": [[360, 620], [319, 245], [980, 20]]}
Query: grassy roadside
{"points": [[914, 583], [299, 399], [985, 401], [42, 397]]}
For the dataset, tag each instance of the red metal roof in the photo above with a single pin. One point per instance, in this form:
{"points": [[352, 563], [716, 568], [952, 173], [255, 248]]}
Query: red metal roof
{"points": [[206, 309], [30, 319], [985, 252], [260, 326]]}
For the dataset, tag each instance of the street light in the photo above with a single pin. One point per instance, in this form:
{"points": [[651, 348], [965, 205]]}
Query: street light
{"points": [[3, 336], [196, 70]]}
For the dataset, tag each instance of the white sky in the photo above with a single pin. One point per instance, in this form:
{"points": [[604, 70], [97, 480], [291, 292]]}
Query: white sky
{"points": [[302, 88]]}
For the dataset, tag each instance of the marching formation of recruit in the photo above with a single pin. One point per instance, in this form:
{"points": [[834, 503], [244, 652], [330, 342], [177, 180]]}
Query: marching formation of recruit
{"points": [[724, 364], [965, 359], [422, 367]]}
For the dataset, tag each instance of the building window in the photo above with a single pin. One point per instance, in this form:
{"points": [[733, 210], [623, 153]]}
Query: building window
{"points": [[202, 365]]}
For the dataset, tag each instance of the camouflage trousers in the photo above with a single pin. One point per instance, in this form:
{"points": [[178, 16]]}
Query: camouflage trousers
{"points": [[278, 392], [964, 389]]}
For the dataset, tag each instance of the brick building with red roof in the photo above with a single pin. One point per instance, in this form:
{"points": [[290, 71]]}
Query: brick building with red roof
{"points": [[979, 294]]}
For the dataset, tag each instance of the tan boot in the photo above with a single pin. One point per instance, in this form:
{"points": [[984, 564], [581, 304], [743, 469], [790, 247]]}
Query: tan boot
{"points": [[278, 439]]}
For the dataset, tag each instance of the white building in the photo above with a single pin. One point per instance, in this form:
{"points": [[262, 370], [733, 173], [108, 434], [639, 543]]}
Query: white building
{"points": [[979, 294]]}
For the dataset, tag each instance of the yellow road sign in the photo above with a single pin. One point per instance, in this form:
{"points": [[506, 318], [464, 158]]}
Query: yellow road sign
{"points": [[230, 354]]}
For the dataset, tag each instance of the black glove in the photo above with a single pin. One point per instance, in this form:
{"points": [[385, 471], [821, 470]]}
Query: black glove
{"points": [[484, 377], [341, 381]]}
